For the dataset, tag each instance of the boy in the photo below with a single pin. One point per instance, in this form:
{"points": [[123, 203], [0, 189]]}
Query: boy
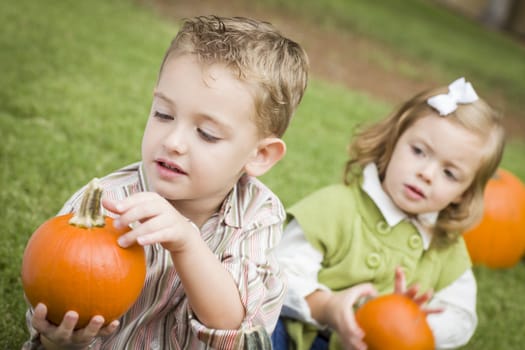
{"points": [[226, 91]]}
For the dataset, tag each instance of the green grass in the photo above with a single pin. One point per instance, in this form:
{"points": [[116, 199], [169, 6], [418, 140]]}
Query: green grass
{"points": [[77, 81], [423, 30]]}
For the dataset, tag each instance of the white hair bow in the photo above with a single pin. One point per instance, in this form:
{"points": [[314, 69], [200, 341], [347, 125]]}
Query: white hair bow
{"points": [[460, 91]]}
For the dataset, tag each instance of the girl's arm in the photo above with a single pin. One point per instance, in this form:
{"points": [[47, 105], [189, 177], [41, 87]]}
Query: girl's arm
{"points": [[301, 263], [311, 302], [456, 324]]}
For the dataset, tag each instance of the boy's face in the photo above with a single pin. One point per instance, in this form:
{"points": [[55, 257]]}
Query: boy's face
{"points": [[200, 133], [433, 163]]}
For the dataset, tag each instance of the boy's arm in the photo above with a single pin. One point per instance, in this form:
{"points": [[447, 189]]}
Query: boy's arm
{"points": [[249, 260], [210, 288], [456, 324]]}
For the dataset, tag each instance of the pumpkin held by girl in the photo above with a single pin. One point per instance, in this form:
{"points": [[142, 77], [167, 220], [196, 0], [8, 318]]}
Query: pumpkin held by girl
{"points": [[499, 240], [73, 262], [394, 321]]}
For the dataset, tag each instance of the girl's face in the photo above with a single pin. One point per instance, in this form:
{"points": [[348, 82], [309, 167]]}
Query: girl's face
{"points": [[432, 165], [200, 133]]}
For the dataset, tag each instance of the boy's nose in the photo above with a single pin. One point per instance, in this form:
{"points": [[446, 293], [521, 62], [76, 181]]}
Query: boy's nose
{"points": [[176, 140]]}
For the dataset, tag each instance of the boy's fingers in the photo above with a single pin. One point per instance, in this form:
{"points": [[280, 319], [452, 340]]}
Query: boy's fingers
{"points": [[95, 324], [69, 322], [91, 330], [39, 321], [109, 204], [110, 328], [40, 311]]}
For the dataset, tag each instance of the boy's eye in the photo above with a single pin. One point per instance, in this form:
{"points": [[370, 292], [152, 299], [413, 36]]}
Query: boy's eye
{"points": [[207, 136], [163, 116]]}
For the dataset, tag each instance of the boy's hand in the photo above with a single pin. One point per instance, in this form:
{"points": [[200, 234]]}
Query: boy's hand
{"points": [[421, 300], [152, 219], [341, 308], [64, 336]]}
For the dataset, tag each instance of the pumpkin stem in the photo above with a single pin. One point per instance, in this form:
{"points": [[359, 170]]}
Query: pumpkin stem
{"points": [[90, 212]]}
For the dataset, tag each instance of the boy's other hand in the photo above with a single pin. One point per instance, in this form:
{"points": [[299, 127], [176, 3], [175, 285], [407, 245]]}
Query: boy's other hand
{"points": [[64, 336]]}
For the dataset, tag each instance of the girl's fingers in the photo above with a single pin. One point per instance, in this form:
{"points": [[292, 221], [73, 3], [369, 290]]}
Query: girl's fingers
{"points": [[400, 281], [358, 343], [412, 292], [355, 329], [434, 310], [365, 290]]}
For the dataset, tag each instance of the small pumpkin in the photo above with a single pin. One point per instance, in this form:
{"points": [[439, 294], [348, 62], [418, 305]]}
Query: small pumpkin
{"points": [[394, 321], [73, 262], [498, 241]]}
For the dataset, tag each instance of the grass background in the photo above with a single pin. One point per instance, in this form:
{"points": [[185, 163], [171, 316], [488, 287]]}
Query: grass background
{"points": [[77, 79]]}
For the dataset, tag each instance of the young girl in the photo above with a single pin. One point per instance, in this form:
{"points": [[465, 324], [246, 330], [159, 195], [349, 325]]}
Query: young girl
{"points": [[413, 183]]}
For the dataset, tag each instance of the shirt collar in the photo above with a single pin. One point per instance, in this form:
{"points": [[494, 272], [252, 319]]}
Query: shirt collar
{"points": [[142, 178], [230, 212], [392, 214]]}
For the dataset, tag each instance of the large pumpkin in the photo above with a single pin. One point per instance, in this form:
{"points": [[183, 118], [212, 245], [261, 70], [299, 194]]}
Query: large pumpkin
{"points": [[73, 262], [499, 240], [394, 321]]}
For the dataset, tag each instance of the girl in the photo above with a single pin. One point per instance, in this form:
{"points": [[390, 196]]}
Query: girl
{"points": [[413, 183]]}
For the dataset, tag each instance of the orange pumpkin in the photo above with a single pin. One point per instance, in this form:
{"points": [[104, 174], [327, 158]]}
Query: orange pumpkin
{"points": [[73, 262], [394, 321], [499, 240]]}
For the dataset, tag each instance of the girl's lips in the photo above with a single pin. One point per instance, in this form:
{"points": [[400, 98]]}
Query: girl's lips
{"points": [[414, 192]]}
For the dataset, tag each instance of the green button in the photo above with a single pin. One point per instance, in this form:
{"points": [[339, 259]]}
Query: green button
{"points": [[373, 260], [415, 242], [383, 228]]}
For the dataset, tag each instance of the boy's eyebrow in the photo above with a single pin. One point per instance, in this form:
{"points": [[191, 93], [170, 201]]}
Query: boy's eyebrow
{"points": [[162, 96], [204, 116]]}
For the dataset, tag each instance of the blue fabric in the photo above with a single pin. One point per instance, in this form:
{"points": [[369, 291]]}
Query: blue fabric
{"points": [[281, 340], [320, 344]]}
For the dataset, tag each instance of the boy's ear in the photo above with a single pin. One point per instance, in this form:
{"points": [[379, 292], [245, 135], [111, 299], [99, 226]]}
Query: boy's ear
{"points": [[269, 151]]}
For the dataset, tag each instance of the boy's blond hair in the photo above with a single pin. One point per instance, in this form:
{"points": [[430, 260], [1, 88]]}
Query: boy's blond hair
{"points": [[376, 144], [257, 54]]}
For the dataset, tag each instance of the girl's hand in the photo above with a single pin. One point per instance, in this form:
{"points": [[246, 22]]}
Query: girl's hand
{"points": [[152, 219], [341, 311], [64, 336], [421, 300]]}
